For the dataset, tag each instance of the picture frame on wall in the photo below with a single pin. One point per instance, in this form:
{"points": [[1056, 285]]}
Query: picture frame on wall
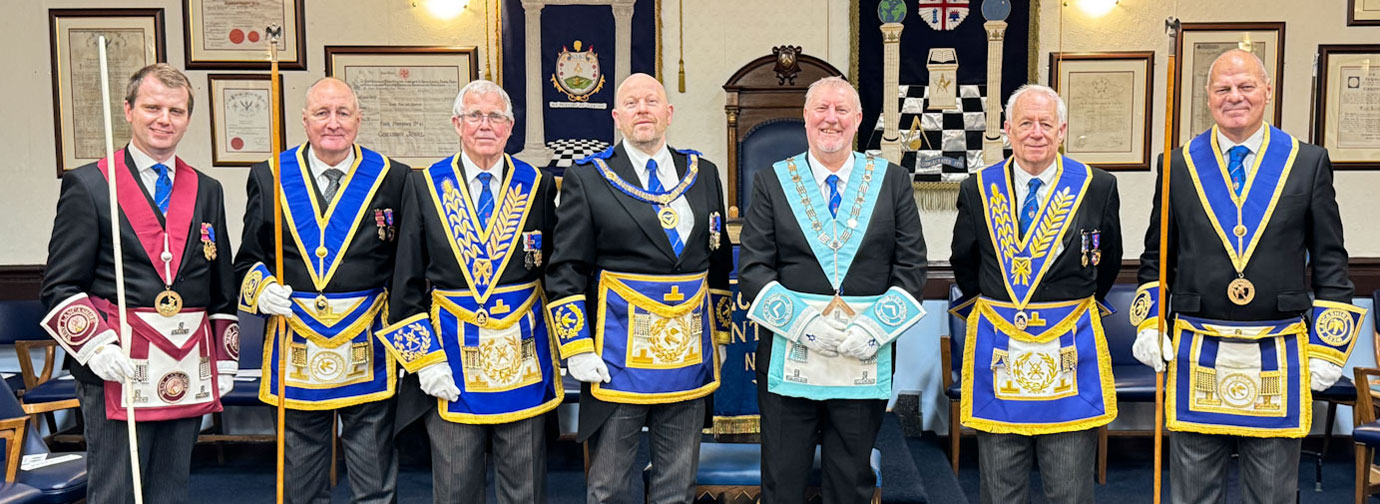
{"points": [[1345, 118], [1108, 95], [405, 96], [229, 34], [134, 40], [1363, 12], [1197, 45], [241, 118]]}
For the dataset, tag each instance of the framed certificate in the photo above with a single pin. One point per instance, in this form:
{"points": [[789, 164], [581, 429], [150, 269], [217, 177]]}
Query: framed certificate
{"points": [[134, 40], [405, 96], [1197, 45], [1362, 12], [1108, 99], [229, 34], [1346, 110], [241, 118]]}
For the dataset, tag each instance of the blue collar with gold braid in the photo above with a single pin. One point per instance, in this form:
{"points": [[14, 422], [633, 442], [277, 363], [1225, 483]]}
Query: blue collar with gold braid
{"points": [[1240, 221], [482, 252], [323, 237], [834, 240], [1025, 260]]}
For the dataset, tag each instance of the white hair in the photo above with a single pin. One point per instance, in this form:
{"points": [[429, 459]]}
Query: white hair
{"points": [[833, 82], [1045, 90], [482, 86]]}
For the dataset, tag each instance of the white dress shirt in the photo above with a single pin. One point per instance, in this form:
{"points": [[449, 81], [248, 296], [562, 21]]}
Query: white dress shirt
{"points": [[1021, 182], [822, 174], [319, 167], [666, 174], [472, 172], [147, 175], [1253, 142]]}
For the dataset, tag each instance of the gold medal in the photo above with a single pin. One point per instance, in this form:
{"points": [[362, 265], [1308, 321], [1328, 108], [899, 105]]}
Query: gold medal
{"points": [[1241, 291], [481, 317], [1022, 320], [1239, 231], [668, 217], [168, 303], [321, 252]]}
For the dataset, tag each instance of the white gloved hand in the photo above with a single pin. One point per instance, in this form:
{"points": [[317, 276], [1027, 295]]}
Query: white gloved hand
{"points": [[276, 299], [823, 334], [1323, 374], [858, 343], [723, 353], [225, 382], [110, 363], [588, 367], [437, 381], [1150, 353]]}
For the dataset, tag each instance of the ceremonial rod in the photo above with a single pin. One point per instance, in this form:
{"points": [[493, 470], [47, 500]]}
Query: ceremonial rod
{"points": [[274, 33], [1171, 28], [113, 196]]}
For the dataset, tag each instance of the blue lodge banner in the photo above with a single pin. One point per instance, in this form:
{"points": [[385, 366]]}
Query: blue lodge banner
{"points": [[735, 403], [938, 145], [579, 69]]}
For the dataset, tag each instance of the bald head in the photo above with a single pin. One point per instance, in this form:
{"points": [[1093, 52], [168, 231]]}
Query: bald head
{"points": [[642, 113], [331, 118], [1238, 91], [1240, 57]]}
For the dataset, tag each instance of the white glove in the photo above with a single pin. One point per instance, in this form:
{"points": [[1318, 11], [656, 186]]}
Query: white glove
{"points": [[276, 299], [110, 363], [225, 382], [1323, 374], [723, 353], [859, 344], [1151, 354], [823, 334], [588, 367], [438, 382]]}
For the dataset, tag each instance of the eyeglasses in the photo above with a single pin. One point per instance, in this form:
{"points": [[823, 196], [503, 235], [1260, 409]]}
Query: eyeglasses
{"points": [[494, 118]]}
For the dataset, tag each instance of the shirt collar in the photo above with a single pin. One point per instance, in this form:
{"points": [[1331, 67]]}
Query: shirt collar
{"points": [[472, 170], [1022, 177], [1252, 142], [820, 172], [638, 159], [319, 167], [144, 162]]}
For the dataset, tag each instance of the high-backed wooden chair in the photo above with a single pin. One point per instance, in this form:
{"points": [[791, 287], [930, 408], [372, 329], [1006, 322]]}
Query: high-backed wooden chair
{"points": [[765, 111]]}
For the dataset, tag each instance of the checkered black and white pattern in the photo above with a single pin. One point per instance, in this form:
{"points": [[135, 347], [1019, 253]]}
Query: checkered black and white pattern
{"points": [[940, 145], [569, 150]]}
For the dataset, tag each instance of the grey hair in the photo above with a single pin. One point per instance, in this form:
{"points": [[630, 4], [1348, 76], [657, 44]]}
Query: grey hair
{"points": [[318, 82], [1258, 62], [482, 86], [831, 83], [1045, 90]]}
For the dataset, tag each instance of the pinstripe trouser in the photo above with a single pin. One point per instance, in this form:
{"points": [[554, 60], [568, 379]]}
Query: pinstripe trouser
{"points": [[165, 454], [674, 435], [458, 452], [1066, 466], [370, 457], [1198, 468]]}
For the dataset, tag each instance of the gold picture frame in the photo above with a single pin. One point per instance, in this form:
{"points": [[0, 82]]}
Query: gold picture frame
{"points": [[1344, 118], [1108, 96]]}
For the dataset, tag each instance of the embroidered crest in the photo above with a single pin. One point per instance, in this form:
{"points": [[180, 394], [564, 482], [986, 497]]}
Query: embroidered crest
{"points": [[777, 309], [1140, 308], [943, 15], [1335, 326], [172, 387], [568, 321], [412, 342], [77, 324], [577, 73]]}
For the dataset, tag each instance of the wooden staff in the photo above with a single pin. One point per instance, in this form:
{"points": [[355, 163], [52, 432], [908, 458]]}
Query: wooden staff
{"points": [[113, 196], [274, 33], [1171, 28]]}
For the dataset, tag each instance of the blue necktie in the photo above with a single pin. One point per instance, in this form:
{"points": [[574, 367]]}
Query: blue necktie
{"points": [[834, 197], [162, 190], [1030, 207], [654, 186], [486, 200], [1236, 168]]}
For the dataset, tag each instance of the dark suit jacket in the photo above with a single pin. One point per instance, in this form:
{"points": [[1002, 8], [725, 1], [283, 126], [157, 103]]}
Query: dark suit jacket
{"points": [[1305, 226], [600, 228], [425, 256], [368, 260], [977, 268], [81, 257], [774, 247]]}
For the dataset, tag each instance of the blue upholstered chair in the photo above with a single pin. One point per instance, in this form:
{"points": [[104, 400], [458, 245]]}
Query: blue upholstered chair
{"points": [[762, 146], [57, 483], [951, 346], [1366, 434], [19, 321], [732, 472], [41, 393]]}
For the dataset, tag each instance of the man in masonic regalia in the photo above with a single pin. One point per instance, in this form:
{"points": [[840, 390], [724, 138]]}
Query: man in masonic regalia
{"points": [[470, 311], [340, 202], [183, 348], [833, 259], [1036, 246], [1251, 209]]}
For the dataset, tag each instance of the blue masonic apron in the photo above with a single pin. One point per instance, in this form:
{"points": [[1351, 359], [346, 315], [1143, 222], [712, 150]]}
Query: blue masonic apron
{"points": [[333, 359], [1034, 368], [1232, 377], [494, 336]]}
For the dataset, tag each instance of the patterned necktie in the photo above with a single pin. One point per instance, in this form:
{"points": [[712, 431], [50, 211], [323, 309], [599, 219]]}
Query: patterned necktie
{"points": [[654, 186], [834, 197], [486, 200], [1030, 207], [333, 184], [1236, 168], [162, 190]]}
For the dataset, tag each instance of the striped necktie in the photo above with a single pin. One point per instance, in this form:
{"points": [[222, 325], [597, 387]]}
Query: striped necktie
{"points": [[162, 189]]}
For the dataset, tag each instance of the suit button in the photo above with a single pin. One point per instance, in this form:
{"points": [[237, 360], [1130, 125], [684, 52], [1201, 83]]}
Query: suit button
{"points": [[677, 269]]}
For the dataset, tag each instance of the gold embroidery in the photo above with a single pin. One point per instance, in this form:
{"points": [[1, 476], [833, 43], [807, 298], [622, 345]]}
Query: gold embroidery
{"points": [[1052, 224], [1334, 327]]}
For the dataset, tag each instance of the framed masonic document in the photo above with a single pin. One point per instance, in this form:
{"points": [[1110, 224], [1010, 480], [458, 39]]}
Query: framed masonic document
{"points": [[1346, 108], [1108, 96], [241, 118], [229, 34]]}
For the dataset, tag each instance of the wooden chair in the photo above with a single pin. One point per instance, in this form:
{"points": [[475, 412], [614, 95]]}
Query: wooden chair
{"points": [[1366, 436]]}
